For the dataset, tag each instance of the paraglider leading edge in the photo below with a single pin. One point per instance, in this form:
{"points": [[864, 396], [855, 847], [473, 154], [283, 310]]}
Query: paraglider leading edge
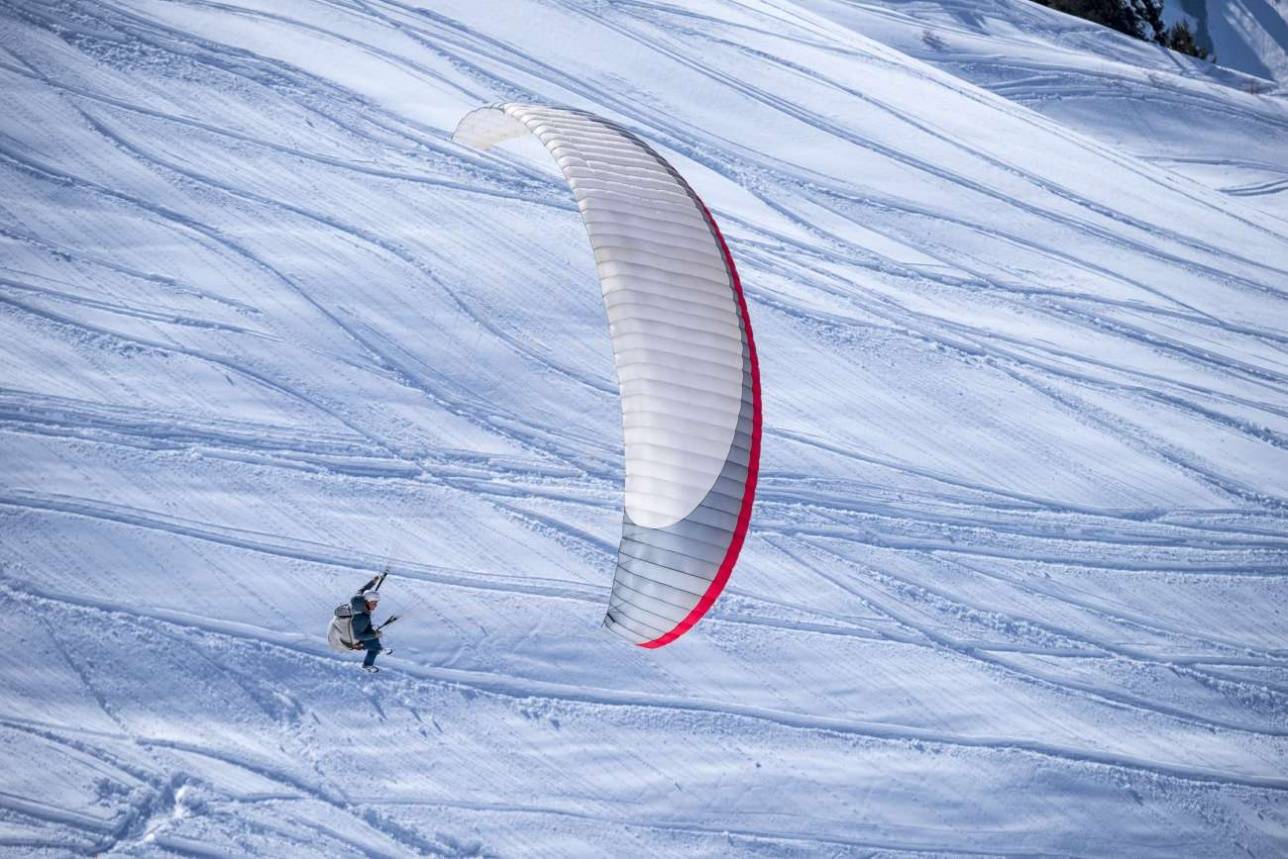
{"points": [[753, 464]]}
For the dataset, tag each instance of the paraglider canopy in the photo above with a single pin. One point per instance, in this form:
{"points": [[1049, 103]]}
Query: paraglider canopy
{"points": [[685, 360]]}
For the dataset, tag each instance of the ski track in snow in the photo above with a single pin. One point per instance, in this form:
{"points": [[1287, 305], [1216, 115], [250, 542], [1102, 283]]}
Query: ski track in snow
{"points": [[1019, 561]]}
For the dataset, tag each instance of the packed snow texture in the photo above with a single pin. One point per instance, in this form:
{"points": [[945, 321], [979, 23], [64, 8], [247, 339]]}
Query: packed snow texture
{"points": [[1249, 35], [1017, 579]]}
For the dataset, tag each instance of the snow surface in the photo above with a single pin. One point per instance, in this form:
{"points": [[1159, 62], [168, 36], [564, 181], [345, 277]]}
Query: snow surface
{"points": [[1017, 579], [1175, 111], [1249, 35]]}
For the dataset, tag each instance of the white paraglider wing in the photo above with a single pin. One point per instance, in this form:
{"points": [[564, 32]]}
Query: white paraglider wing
{"points": [[685, 361]]}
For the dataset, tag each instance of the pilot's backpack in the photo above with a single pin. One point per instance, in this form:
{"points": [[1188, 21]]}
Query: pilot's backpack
{"points": [[340, 633]]}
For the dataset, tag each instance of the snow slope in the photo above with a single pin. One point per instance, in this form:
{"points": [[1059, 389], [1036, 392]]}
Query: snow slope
{"points": [[1177, 112], [1018, 571], [1249, 35]]}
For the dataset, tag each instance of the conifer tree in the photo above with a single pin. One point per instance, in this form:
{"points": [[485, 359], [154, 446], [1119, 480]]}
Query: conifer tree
{"points": [[1140, 18]]}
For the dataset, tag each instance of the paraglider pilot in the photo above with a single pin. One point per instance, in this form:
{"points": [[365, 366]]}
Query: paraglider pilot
{"points": [[351, 627], [365, 634]]}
